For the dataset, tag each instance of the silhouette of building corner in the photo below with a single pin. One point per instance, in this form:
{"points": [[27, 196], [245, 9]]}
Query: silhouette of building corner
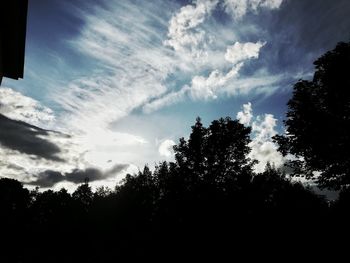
{"points": [[13, 24]]}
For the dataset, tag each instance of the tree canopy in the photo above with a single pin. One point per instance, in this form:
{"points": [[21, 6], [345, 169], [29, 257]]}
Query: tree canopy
{"points": [[318, 121]]}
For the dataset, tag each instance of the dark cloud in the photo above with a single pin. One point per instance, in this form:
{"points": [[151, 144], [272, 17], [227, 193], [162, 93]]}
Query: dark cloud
{"points": [[23, 137], [116, 169], [78, 176], [49, 178]]}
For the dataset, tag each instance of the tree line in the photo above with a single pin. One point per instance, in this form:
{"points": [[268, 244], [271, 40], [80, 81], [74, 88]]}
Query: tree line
{"points": [[209, 199]]}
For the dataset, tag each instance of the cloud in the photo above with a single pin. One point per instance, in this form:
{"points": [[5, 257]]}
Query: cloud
{"points": [[93, 174], [16, 106], [124, 39], [264, 127], [27, 139], [27, 150], [263, 84], [131, 66], [143, 58], [246, 115], [265, 152], [242, 51], [201, 88], [206, 88], [49, 178], [168, 99], [262, 147], [239, 8], [183, 34], [166, 148]]}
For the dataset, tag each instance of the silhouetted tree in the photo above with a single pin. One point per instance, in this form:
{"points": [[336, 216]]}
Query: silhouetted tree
{"points": [[83, 194], [14, 199], [318, 121], [217, 153], [14, 216], [275, 192]]}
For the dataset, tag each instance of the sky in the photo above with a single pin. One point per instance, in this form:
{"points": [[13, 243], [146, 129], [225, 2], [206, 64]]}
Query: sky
{"points": [[110, 86]]}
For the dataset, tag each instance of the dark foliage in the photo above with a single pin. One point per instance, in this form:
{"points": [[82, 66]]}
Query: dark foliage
{"points": [[318, 121], [208, 202]]}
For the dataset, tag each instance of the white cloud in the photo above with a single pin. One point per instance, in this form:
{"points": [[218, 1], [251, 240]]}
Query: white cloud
{"points": [[201, 88], [183, 34], [230, 84], [166, 148], [16, 106], [206, 88], [271, 4], [262, 147], [264, 127], [168, 99], [242, 51], [246, 115], [265, 152], [239, 8]]}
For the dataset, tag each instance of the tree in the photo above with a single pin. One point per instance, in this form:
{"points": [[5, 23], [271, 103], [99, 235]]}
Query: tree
{"points": [[215, 154], [14, 200], [318, 121], [83, 194]]}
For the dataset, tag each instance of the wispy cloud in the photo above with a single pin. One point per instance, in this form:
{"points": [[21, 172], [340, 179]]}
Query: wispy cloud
{"points": [[136, 55]]}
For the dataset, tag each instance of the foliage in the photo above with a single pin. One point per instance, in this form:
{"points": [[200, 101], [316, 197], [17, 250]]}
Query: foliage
{"points": [[318, 121]]}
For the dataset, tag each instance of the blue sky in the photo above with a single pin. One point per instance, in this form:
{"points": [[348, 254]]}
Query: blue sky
{"points": [[120, 81]]}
